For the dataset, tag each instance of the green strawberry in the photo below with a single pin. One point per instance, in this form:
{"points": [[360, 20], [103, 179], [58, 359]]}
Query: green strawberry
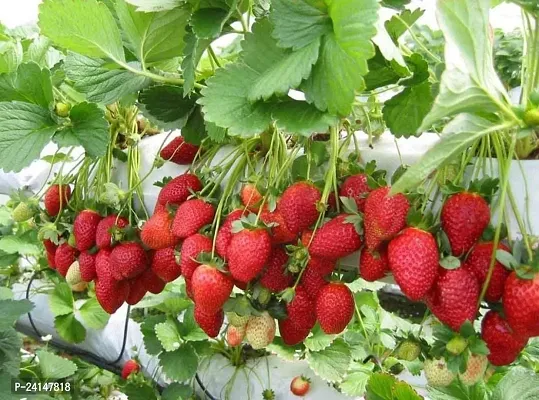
{"points": [[408, 350], [23, 212]]}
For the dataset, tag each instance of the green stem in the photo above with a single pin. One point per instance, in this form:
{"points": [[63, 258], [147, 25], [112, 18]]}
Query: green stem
{"points": [[242, 21], [214, 56]]}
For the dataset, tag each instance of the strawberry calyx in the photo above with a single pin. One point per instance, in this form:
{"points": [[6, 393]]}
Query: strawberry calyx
{"points": [[250, 222]]}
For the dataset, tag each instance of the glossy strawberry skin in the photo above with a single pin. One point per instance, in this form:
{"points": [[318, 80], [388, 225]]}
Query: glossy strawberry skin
{"points": [[464, 218], [131, 366], [413, 259], [54, 201], [298, 206], [334, 307], [137, 291], [301, 311], [356, 188], [210, 323], [275, 276], [248, 253], [504, 345], [478, 263], [50, 250], [102, 264], [385, 216], [156, 232], [63, 258], [192, 247], [153, 283], [299, 386], [324, 266], [85, 229], [453, 299], [191, 216], [128, 260], [164, 264], [521, 304], [292, 334], [103, 236], [224, 235], [312, 281], [110, 293], [179, 151], [280, 234], [211, 289], [179, 189], [373, 265], [87, 266], [250, 197], [335, 239]]}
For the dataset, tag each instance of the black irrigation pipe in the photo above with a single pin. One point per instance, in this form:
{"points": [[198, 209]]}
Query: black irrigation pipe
{"points": [[93, 358]]}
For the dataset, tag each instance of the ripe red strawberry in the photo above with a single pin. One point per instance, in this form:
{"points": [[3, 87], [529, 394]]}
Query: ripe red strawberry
{"points": [[279, 232], [50, 250], [298, 206], [235, 335], [103, 236], [324, 266], [453, 298], [63, 258], [156, 233], [275, 276], [102, 264], [373, 265], [334, 307], [210, 323], [356, 187], [300, 385], [164, 264], [192, 247], [312, 281], [521, 304], [335, 239], [130, 367], [189, 288], [179, 189], [464, 217], [85, 229], [224, 235], [385, 216], [290, 333], [56, 199], [504, 345], [137, 290], [152, 282], [179, 151], [128, 260], [211, 288], [413, 259], [301, 318], [478, 263], [87, 266], [110, 293], [251, 197], [247, 253], [191, 216]]}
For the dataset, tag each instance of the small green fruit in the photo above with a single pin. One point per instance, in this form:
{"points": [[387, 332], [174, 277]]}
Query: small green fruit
{"points": [[23, 212], [531, 117], [62, 109], [236, 319], [408, 350], [456, 345], [264, 296], [437, 373]]}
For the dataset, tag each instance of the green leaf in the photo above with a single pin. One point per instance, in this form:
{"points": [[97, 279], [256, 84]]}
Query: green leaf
{"points": [[11, 311], [86, 27], [29, 84], [42, 53], [459, 134], [355, 383], [380, 386], [299, 23], [193, 50], [139, 391], [153, 36], [194, 130], [25, 129], [151, 343], [404, 112], [10, 348], [278, 69], [18, 245], [155, 5], [215, 133], [168, 335], [99, 82], [57, 158], [331, 363], [181, 364], [11, 55], [469, 83], [189, 329], [53, 366], [93, 314], [300, 117], [382, 72], [5, 292], [177, 391], [69, 328], [318, 340], [88, 129], [395, 26], [282, 350], [396, 4], [207, 23], [165, 106], [518, 384], [343, 56], [403, 391]]}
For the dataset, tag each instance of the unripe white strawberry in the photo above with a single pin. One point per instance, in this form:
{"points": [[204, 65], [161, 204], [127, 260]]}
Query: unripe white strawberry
{"points": [[73, 276], [437, 373], [260, 330]]}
